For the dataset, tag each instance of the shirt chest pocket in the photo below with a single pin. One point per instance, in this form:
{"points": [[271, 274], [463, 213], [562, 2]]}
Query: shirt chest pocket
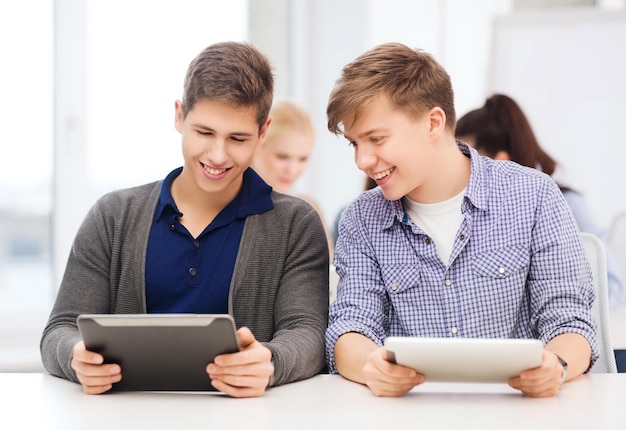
{"points": [[401, 277], [501, 263]]}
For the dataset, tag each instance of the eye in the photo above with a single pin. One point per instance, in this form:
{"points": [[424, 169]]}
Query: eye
{"points": [[204, 133], [238, 139]]}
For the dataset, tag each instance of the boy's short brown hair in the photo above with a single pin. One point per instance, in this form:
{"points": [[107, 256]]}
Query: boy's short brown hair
{"points": [[233, 73], [413, 80]]}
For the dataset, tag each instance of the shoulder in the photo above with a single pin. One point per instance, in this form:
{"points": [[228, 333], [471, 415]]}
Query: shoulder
{"points": [[371, 210], [127, 202], [288, 211], [515, 177], [287, 204], [130, 195], [310, 200], [513, 169], [371, 200]]}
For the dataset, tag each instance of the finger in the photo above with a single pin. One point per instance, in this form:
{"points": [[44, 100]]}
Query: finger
{"points": [[536, 387], [388, 379], [390, 391], [241, 381], [394, 373], [245, 337], [233, 391], [96, 379], [80, 353], [98, 385], [96, 390], [89, 369], [252, 378], [254, 354]]}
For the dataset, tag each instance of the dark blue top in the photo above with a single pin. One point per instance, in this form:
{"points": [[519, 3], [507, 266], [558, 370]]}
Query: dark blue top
{"points": [[187, 275]]}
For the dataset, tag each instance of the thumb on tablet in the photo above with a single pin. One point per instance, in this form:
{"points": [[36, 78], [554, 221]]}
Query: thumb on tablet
{"points": [[245, 337]]}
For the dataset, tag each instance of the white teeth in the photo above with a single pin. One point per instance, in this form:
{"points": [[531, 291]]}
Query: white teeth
{"points": [[382, 174], [214, 171]]}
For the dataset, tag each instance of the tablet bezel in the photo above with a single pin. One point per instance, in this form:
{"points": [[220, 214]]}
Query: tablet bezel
{"points": [[465, 359], [160, 352]]}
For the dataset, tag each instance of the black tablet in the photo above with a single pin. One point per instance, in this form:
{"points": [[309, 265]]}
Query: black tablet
{"points": [[160, 352]]}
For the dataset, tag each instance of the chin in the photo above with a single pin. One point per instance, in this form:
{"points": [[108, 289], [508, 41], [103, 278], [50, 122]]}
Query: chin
{"points": [[390, 195]]}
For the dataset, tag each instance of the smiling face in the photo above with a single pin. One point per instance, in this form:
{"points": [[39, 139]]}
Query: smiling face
{"points": [[283, 159], [218, 143], [393, 148]]}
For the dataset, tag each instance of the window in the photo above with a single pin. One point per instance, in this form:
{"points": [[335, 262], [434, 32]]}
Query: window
{"points": [[136, 66], [137, 55], [26, 88]]}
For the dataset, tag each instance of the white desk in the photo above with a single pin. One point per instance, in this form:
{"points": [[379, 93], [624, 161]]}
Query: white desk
{"points": [[38, 401]]}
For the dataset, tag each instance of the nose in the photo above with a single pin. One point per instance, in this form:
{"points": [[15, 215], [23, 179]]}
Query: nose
{"points": [[364, 157], [216, 152], [294, 168]]}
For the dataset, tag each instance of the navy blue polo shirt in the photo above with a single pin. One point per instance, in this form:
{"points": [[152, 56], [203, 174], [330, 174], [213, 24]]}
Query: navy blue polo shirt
{"points": [[192, 275]]}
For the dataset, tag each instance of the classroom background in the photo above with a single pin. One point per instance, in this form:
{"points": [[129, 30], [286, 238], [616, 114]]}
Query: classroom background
{"points": [[88, 90]]}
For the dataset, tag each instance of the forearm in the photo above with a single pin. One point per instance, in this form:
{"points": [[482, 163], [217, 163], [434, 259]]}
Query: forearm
{"points": [[56, 351], [298, 352], [351, 351], [574, 349]]}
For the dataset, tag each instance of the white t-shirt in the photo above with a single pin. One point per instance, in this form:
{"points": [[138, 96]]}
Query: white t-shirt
{"points": [[440, 221]]}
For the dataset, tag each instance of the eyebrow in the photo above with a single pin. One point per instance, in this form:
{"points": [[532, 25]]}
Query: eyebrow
{"points": [[235, 133], [367, 133]]}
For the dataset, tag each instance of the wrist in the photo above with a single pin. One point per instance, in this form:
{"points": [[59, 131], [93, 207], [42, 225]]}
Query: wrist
{"points": [[564, 365]]}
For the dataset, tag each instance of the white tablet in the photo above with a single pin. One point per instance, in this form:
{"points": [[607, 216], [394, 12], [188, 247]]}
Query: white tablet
{"points": [[465, 360], [160, 352]]}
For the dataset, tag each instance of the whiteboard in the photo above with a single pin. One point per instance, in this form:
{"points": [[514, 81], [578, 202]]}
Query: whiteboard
{"points": [[568, 72]]}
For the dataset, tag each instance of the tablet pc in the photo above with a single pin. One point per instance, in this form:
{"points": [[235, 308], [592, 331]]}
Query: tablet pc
{"points": [[160, 352], [465, 360]]}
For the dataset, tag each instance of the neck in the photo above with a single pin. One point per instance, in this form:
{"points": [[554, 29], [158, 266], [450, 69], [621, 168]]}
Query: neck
{"points": [[191, 198], [449, 175]]}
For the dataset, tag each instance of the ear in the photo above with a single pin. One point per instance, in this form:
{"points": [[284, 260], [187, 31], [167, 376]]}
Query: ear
{"points": [[178, 116], [437, 121], [263, 131], [502, 155]]}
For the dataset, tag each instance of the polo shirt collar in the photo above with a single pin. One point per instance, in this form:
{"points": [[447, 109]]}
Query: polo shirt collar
{"points": [[253, 198]]}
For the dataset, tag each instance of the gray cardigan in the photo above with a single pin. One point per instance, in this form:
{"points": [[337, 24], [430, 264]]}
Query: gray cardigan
{"points": [[279, 287]]}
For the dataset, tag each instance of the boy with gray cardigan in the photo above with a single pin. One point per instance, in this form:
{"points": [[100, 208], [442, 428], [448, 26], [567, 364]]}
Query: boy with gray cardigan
{"points": [[212, 237]]}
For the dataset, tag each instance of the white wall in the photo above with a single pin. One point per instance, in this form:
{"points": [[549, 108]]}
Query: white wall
{"points": [[568, 71]]}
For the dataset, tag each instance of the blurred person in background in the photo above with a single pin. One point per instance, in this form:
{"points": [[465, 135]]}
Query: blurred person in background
{"points": [[284, 156], [500, 130]]}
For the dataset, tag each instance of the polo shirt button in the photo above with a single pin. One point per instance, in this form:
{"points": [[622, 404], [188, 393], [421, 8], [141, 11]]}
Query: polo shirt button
{"points": [[196, 244], [172, 227], [193, 271]]}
